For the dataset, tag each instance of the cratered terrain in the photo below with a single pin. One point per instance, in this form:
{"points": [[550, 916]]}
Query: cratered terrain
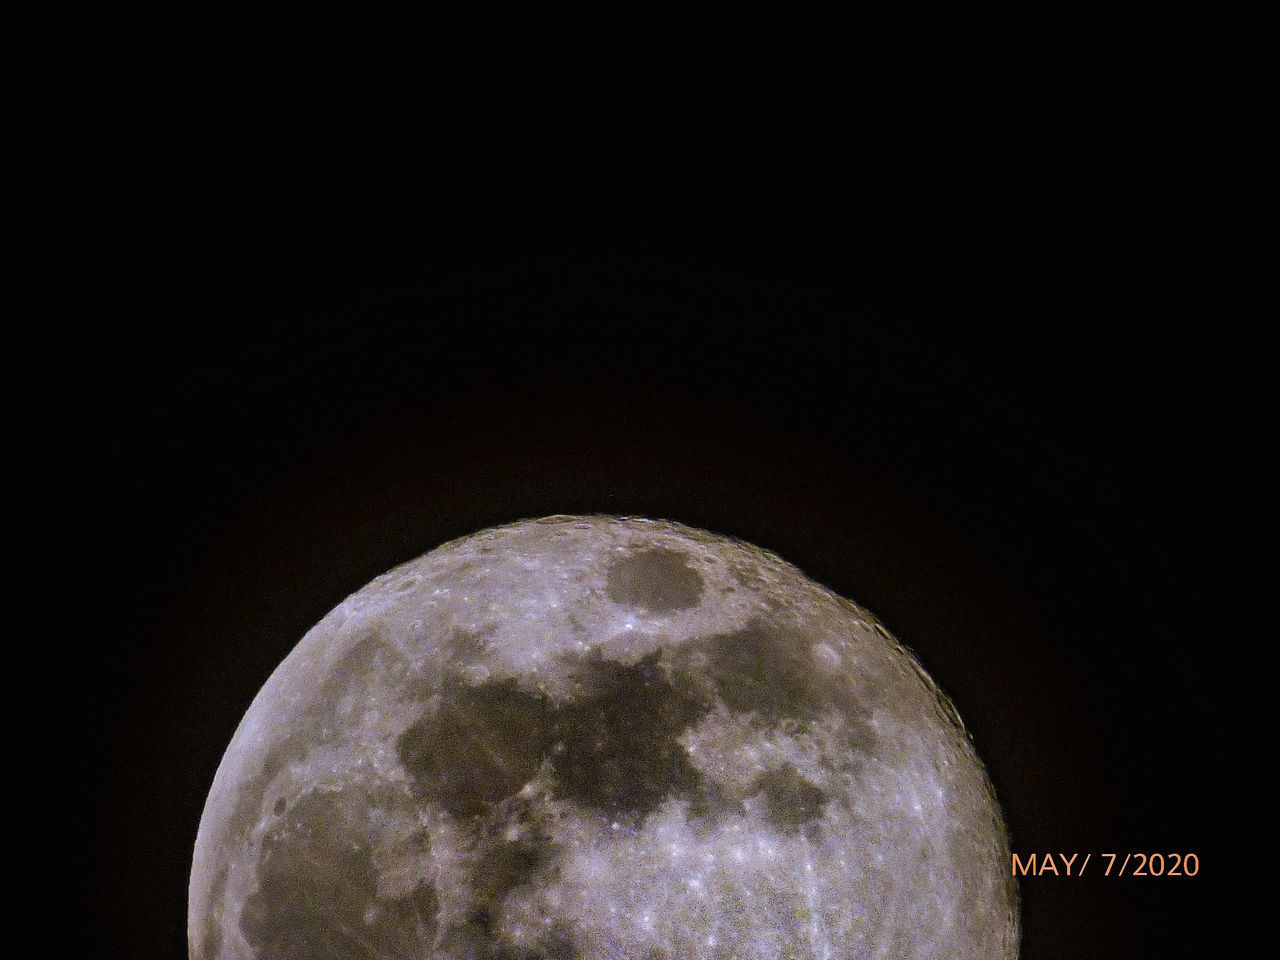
{"points": [[617, 739]]}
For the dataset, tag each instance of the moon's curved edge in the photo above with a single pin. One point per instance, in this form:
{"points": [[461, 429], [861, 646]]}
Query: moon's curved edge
{"points": [[335, 634]]}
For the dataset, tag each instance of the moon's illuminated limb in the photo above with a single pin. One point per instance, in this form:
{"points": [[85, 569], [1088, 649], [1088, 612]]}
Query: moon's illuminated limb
{"points": [[603, 738]]}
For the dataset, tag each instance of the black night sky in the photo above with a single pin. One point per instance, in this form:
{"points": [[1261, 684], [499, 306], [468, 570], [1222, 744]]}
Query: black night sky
{"points": [[996, 412]]}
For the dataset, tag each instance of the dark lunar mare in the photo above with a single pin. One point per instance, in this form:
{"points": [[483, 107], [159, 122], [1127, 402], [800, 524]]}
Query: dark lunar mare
{"points": [[792, 801], [765, 669], [317, 889], [659, 581], [616, 748], [346, 676], [513, 846], [613, 748], [760, 669], [482, 744]]}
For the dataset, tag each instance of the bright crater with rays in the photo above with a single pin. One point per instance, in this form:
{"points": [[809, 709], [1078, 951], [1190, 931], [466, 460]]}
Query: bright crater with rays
{"points": [[616, 739]]}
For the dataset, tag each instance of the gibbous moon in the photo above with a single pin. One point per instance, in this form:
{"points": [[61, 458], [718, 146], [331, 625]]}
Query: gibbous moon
{"points": [[603, 738]]}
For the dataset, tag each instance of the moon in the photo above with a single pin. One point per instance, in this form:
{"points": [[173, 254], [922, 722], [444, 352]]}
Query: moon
{"points": [[607, 738]]}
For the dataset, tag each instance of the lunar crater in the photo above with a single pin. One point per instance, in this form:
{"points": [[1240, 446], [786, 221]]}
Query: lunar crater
{"points": [[607, 738]]}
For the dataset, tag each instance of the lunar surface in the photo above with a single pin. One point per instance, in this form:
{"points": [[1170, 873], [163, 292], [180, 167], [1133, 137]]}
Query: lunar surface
{"points": [[605, 738]]}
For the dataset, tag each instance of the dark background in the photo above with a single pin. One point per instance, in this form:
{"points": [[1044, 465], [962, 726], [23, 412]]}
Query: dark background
{"points": [[1002, 412]]}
